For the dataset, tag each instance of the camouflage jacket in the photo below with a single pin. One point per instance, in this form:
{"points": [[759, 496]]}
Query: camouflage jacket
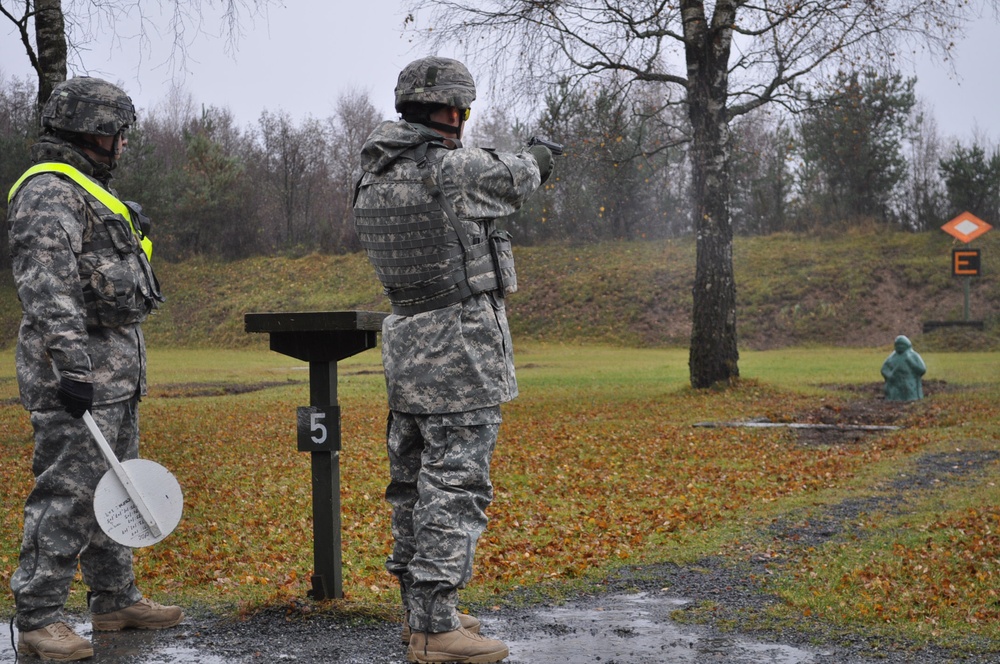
{"points": [[456, 358], [56, 233]]}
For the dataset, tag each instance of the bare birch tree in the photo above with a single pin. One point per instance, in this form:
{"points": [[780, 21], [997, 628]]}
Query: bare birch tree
{"points": [[354, 119], [721, 59]]}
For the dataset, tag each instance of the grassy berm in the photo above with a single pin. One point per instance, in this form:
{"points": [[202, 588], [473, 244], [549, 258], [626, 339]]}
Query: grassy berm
{"points": [[857, 288], [610, 472]]}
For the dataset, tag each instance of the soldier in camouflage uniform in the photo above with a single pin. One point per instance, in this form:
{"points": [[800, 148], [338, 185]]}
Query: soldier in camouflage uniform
{"points": [[424, 212], [80, 262]]}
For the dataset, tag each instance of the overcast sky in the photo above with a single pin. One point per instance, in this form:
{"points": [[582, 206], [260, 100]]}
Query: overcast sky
{"points": [[301, 57]]}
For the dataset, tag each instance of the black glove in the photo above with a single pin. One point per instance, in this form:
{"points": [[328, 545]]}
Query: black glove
{"points": [[76, 396], [543, 156]]}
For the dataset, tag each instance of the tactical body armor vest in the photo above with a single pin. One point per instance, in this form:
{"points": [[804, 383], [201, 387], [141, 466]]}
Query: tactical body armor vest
{"points": [[118, 283], [422, 253]]}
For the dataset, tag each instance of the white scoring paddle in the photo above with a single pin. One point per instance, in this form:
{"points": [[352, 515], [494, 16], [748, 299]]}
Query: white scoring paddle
{"points": [[128, 515]]}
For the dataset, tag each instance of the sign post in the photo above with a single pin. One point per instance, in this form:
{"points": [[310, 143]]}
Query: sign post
{"points": [[321, 339], [966, 263]]}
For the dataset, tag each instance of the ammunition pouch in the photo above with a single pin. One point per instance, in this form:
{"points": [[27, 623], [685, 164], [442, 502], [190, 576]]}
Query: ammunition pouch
{"points": [[115, 297], [502, 252], [119, 286]]}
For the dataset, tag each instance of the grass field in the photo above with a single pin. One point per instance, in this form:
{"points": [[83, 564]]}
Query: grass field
{"points": [[598, 466]]}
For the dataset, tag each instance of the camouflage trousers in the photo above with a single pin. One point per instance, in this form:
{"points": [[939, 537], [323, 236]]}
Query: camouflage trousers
{"points": [[60, 529], [439, 491]]}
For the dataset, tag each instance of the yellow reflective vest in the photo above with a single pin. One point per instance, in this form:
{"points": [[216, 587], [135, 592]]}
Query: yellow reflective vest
{"points": [[92, 188]]}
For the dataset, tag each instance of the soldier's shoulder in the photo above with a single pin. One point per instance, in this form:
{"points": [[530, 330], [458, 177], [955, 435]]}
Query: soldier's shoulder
{"points": [[46, 198], [50, 187], [47, 183], [470, 153], [470, 160]]}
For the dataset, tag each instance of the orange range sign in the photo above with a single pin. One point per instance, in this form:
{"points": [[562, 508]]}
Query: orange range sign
{"points": [[966, 227]]}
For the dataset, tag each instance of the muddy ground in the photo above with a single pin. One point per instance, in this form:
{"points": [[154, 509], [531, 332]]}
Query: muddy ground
{"points": [[641, 615]]}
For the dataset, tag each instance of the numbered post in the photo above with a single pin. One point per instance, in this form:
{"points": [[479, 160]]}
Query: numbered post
{"points": [[321, 338], [321, 438], [319, 428]]}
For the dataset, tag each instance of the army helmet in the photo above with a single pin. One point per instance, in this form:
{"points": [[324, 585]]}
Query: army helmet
{"points": [[86, 105], [435, 80]]}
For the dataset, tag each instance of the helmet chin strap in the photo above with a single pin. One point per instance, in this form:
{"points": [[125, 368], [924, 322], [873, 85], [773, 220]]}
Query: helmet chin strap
{"points": [[102, 151], [440, 126], [424, 117]]}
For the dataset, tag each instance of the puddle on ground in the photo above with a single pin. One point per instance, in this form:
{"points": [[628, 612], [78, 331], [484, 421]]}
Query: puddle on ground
{"points": [[127, 647], [632, 629]]}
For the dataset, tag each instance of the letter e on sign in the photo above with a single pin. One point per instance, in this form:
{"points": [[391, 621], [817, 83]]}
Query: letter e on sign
{"points": [[318, 428], [965, 263]]}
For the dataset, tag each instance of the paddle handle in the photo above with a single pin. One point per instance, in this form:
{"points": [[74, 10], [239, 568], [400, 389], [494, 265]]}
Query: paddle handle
{"points": [[122, 474]]}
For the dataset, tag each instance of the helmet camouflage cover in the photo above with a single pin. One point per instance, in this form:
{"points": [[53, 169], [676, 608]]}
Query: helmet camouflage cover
{"points": [[435, 80], [86, 105]]}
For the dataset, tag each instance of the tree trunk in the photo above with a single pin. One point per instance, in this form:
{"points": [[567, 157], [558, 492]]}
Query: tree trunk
{"points": [[50, 43], [713, 356]]}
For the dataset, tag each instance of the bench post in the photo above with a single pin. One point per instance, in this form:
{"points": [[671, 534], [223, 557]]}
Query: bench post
{"points": [[321, 339]]}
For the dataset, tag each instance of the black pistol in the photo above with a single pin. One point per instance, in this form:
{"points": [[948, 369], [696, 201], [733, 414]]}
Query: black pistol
{"points": [[555, 148]]}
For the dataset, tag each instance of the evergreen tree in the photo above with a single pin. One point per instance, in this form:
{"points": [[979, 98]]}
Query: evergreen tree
{"points": [[760, 177], [851, 146], [972, 181]]}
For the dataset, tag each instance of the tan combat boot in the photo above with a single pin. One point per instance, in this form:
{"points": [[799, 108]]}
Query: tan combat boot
{"points": [[460, 646], [471, 623], [144, 614], [57, 641]]}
